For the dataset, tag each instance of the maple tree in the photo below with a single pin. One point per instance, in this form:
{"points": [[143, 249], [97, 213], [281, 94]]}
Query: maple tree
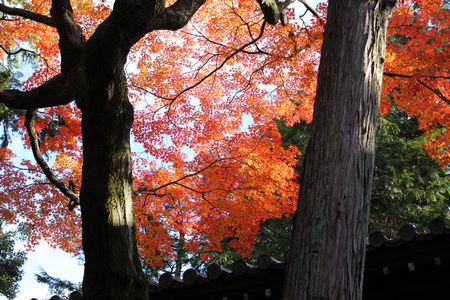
{"points": [[196, 172], [416, 75]]}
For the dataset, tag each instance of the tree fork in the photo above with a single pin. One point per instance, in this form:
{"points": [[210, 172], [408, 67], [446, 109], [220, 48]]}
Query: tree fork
{"points": [[328, 242]]}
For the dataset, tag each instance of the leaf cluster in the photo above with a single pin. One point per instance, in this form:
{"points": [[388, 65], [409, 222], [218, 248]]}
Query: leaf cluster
{"points": [[408, 185], [55, 284], [8, 117], [11, 263]]}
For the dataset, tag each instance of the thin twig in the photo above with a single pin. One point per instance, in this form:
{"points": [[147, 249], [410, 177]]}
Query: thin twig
{"points": [[311, 9]]}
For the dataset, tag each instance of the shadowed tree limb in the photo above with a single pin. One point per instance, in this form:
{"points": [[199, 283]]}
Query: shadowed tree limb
{"points": [[30, 119], [178, 15], [20, 12], [71, 39], [55, 91], [273, 10]]}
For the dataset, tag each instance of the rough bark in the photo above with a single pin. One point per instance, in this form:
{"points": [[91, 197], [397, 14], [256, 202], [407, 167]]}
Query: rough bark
{"points": [[328, 243], [112, 267]]}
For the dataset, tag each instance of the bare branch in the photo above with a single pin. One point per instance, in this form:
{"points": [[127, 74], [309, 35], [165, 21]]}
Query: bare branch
{"points": [[10, 53], [178, 181], [391, 74], [436, 91], [30, 119], [53, 92], [13, 11], [311, 9], [27, 51], [178, 15]]}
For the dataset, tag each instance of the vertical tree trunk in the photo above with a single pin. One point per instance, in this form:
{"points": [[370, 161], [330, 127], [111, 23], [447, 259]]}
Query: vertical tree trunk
{"points": [[328, 243], [181, 252], [112, 267]]}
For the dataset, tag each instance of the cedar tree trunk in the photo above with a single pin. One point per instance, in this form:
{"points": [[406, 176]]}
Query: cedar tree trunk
{"points": [[327, 254]]}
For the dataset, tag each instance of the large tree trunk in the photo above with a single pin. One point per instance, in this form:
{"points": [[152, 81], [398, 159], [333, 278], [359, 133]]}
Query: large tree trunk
{"points": [[112, 267], [328, 243]]}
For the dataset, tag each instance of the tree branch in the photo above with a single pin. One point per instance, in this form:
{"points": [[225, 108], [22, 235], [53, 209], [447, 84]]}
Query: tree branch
{"points": [[27, 15], [26, 51], [436, 91], [391, 74], [71, 39], [30, 119], [171, 100], [273, 10], [270, 10], [53, 92], [311, 9], [178, 15]]}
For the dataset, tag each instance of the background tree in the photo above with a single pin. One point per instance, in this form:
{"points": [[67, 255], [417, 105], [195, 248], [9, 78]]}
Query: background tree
{"points": [[11, 263], [8, 117], [409, 186], [56, 285]]}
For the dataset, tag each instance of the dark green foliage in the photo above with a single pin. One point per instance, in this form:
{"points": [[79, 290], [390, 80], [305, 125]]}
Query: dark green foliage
{"points": [[8, 117], [398, 39], [10, 78], [183, 258], [56, 285], [296, 135], [274, 238], [11, 263], [408, 185]]}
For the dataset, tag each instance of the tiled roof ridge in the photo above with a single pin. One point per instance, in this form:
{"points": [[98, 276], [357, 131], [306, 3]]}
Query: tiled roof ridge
{"points": [[406, 233]]}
